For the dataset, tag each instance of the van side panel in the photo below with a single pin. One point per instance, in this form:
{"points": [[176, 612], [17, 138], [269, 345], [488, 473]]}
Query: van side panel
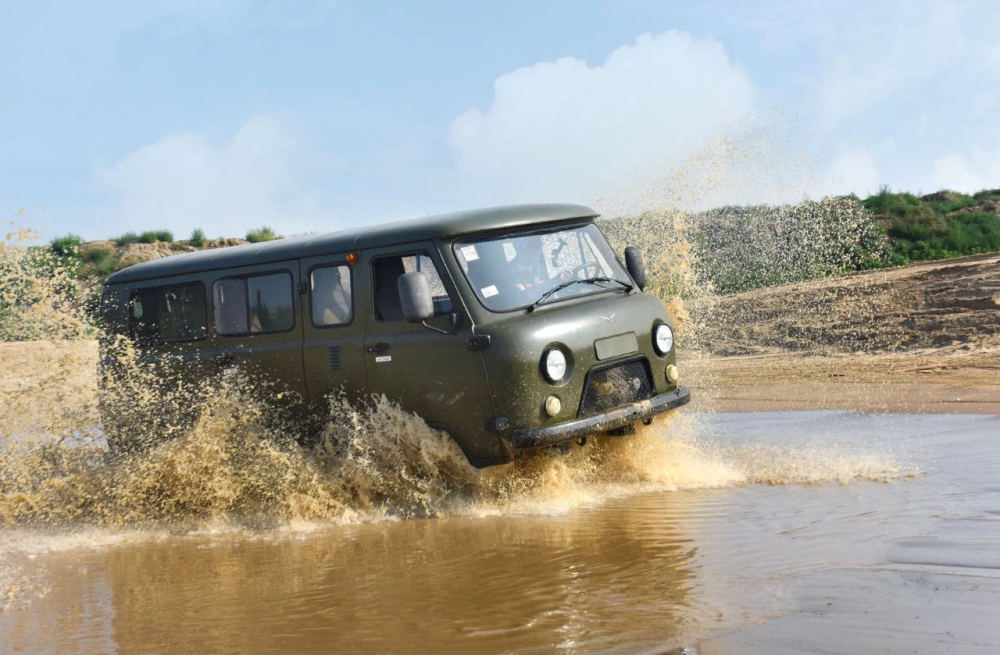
{"points": [[268, 351], [333, 344]]}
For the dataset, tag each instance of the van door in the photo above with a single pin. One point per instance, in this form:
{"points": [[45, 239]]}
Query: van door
{"points": [[333, 346], [435, 375], [256, 316]]}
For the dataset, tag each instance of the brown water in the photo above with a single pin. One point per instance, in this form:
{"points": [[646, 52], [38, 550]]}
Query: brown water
{"points": [[802, 531]]}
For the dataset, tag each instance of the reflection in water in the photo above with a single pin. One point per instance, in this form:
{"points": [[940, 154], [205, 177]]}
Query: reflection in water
{"points": [[601, 577]]}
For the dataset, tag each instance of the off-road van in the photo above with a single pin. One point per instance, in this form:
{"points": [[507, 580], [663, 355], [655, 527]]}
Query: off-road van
{"points": [[509, 328]]}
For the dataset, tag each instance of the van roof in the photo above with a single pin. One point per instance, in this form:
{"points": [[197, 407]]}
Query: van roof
{"points": [[405, 231]]}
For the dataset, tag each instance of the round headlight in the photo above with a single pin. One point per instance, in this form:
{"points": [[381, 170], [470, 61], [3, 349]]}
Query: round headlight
{"points": [[554, 365], [663, 338]]}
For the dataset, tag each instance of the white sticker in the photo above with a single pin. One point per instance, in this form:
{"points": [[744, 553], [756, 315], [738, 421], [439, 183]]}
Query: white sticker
{"points": [[509, 251], [490, 291], [382, 359], [469, 253]]}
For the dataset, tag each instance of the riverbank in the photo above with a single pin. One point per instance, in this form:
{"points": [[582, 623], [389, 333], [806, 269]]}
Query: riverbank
{"points": [[928, 382]]}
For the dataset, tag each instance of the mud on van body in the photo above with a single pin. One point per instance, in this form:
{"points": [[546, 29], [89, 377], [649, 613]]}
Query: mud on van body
{"points": [[514, 327]]}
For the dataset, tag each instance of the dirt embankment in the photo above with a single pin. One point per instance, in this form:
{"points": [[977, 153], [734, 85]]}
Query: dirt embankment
{"points": [[924, 337]]}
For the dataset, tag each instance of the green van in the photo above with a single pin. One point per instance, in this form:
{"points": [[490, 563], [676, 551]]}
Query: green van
{"points": [[509, 328]]}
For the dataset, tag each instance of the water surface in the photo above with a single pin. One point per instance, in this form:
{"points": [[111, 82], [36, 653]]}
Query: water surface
{"points": [[845, 533]]}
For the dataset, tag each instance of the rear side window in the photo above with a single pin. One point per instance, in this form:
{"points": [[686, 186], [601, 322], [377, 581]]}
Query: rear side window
{"points": [[169, 314], [386, 272], [330, 295], [255, 304]]}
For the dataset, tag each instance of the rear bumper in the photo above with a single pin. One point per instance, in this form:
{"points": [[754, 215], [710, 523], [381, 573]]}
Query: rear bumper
{"points": [[616, 418]]}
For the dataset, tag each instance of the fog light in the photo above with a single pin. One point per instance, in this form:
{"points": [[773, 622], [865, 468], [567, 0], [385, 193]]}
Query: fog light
{"points": [[672, 373], [553, 406]]}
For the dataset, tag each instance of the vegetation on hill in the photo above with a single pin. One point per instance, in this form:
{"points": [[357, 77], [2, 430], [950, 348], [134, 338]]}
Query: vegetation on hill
{"points": [[154, 236], [733, 249], [939, 225], [727, 249], [263, 233], [738, 248]]}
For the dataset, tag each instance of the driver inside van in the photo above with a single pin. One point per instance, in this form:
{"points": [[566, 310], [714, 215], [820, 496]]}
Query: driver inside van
{"points": [[529, 268]]}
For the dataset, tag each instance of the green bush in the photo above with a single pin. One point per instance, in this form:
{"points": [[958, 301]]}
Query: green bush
{"points": [[67, 246], [125, 239], [263, 233], [100, 262], [153, 236], [197, 238]]}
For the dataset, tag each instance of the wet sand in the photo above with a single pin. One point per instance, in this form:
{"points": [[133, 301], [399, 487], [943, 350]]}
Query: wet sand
{"points": [[939, 381], [791, 532]]}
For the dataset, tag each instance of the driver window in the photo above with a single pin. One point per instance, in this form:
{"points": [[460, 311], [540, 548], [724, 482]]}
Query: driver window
{"points": [[385, 274]]}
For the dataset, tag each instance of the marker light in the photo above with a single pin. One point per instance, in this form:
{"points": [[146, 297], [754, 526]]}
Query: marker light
{"points": [[554, 365], [663, 338], [672, 373], [553, 406]]}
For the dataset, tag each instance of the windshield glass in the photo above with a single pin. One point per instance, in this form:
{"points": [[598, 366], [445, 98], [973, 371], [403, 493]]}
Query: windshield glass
{"points": [[516, 270]]}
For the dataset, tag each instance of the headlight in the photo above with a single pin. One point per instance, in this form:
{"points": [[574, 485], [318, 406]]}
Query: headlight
{"points": [[663, 338], [554, 365]]}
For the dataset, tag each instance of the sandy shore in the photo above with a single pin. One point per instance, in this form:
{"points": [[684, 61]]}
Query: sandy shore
{"points": [[919, 338], [940, 382]]}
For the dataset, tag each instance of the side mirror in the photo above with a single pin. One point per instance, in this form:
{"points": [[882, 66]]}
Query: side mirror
{"points": [[636, 267], [415, 297]]}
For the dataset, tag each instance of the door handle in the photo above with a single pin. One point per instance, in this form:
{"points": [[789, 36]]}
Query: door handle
{"points": [[379, 348]]}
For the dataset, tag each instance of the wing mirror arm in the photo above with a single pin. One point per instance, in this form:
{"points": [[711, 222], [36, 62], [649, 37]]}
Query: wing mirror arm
{"points": [[453, 316]]}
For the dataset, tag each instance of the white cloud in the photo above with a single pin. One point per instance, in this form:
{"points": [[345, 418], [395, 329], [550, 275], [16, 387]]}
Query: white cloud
{"points": [[182, 182], [564, 130], [977, 170]]}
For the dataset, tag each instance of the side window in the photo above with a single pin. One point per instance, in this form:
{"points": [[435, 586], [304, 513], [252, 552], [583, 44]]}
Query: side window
{"points": [[270, 303], [330, 295], [230, 298], [386, 272], [256, 304], [169, 314]]}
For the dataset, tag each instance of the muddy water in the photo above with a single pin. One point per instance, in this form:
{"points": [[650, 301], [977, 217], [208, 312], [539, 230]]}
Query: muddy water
{"points": [[789, 532]]}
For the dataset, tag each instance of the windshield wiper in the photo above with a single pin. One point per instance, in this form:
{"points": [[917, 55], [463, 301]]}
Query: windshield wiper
{"points": [[590, 280]]}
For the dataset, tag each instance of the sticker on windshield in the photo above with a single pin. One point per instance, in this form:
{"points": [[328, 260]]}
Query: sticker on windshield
{"points": [[509, 251], [469, 253], [490, 291]]}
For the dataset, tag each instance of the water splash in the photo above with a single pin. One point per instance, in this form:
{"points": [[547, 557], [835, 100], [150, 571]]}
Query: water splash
{"points": [[216, 455]]}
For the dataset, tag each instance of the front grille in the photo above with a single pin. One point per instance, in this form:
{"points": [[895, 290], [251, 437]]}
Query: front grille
{"points": [[615, 385]]}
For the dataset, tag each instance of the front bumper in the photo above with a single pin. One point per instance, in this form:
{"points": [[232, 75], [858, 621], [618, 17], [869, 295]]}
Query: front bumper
{"points": [[615, 418]]}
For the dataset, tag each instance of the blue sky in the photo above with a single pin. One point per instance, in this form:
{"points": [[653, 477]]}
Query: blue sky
{"points": [[318, 115]]}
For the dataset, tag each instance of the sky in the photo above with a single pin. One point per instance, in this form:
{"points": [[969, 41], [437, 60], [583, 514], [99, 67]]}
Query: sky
{"points": [[313, 116]]}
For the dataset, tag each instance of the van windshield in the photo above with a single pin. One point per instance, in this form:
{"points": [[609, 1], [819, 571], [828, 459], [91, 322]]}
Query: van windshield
{"points": [[516, 270]]}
